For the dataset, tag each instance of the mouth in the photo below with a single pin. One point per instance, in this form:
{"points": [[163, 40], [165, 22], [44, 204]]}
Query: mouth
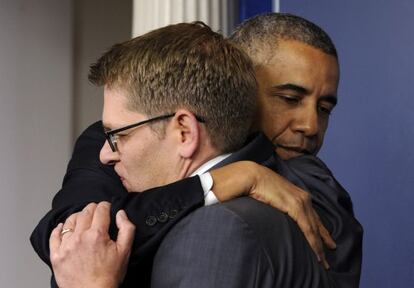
{"points": [[120, 176], [287, 152], [296, 149], [122, 180], [117, 172], [125, 184]]}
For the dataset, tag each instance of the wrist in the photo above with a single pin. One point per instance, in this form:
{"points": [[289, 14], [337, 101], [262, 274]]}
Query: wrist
{"points": [[252, 176], [234, 180], [107, 281], [103, 285]]}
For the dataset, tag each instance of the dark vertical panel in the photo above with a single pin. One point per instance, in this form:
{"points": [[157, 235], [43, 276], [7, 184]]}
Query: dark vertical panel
{"points": [[369, 145], [249, 8]]}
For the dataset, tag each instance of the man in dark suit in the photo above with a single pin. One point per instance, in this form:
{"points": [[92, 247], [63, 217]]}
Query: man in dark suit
{"points": [[297, 70], [128, 165]]}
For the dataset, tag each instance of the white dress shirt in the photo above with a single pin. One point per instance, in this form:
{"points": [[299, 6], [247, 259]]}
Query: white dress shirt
{"points": [[206, 179]]}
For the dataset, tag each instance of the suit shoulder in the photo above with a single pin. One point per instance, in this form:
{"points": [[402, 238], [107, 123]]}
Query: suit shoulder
{"points": [[276, 232], [251, 215], [211, 247], [212, 225], [257, 233], [245, 220]]}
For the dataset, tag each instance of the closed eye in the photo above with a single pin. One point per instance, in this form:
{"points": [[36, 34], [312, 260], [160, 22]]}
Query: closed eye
{"points": [[289, 99], [326, 109], [121, 135]]}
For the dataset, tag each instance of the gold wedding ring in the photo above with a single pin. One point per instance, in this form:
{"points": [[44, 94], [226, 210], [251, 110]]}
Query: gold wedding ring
{"points": [[64, 231]]}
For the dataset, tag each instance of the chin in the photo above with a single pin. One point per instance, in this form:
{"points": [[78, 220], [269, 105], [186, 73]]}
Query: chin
{"points": [[126, 186], [286, 154]]}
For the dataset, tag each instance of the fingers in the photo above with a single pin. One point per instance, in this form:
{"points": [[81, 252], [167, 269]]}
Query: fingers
{"points": [[126, 232], [326, 237], [271, 188], [69, 226], [55, 239], [301, 210], [306, 223], [84, 218], [296, 203], [101, 218], [70, 222], [322, 234]]}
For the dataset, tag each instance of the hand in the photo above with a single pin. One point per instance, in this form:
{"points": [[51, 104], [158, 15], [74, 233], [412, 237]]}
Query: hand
{"points": [[269, 187], [84, 255]]}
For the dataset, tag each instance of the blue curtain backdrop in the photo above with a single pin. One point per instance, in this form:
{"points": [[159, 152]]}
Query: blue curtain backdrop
{"points": [[369, 144], [249, 8]]}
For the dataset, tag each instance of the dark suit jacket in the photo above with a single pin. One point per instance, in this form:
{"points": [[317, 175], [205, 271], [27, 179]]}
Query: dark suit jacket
{"points": [[244, 243], [87, 180]]}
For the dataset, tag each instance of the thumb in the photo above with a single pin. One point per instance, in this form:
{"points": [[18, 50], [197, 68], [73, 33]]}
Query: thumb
{"points": [[126, 232]]}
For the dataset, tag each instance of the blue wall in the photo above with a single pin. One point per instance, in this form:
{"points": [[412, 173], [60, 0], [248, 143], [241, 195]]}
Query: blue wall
{"points": [[249, 8], [369, 145]]}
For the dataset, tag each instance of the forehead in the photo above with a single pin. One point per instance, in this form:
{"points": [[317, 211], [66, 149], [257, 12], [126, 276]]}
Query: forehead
{"points": [[301, 64], [115, 111]]}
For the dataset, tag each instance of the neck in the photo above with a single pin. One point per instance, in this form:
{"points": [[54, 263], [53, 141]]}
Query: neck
{"points": [[191, 165], [204, 151]]}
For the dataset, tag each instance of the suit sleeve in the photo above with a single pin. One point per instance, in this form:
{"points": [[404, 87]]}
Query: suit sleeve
{"points": [[153, 212], [218, 247]]}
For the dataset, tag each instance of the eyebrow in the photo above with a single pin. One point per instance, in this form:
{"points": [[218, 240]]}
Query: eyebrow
{"points": [[330, 98], [302, 90], [105, 127], [292, 87]]}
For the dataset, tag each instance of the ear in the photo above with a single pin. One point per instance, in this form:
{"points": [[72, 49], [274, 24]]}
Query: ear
{"points": [[188, 133]]}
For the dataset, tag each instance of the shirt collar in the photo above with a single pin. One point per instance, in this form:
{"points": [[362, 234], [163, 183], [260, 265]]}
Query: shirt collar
{"points": [[209, 164]]}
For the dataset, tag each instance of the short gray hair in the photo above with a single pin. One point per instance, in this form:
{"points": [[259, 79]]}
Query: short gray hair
{"points": [[259, 35]]}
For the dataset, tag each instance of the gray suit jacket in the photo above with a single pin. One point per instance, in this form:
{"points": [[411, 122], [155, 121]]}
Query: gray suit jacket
{"points": [[244, 243]]}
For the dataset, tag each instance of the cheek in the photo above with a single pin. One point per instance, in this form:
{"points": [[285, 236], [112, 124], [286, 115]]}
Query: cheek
{"points": [[130, 161], [323, 126], [274, 123]]}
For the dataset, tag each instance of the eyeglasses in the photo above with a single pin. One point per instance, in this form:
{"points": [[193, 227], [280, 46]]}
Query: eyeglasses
{"points": [[112, 136]]}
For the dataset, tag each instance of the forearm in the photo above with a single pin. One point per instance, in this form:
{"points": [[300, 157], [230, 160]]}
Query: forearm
{"points": [[226, 186], [144, 209], [84, 185]]}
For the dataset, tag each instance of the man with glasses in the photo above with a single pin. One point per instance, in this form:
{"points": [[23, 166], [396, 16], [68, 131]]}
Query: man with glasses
{"points": [[170, 112], [291, 153]]}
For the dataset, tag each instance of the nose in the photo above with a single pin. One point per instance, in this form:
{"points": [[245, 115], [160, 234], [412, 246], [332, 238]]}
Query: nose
{"points": [[306, 121], [107, 156]]}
